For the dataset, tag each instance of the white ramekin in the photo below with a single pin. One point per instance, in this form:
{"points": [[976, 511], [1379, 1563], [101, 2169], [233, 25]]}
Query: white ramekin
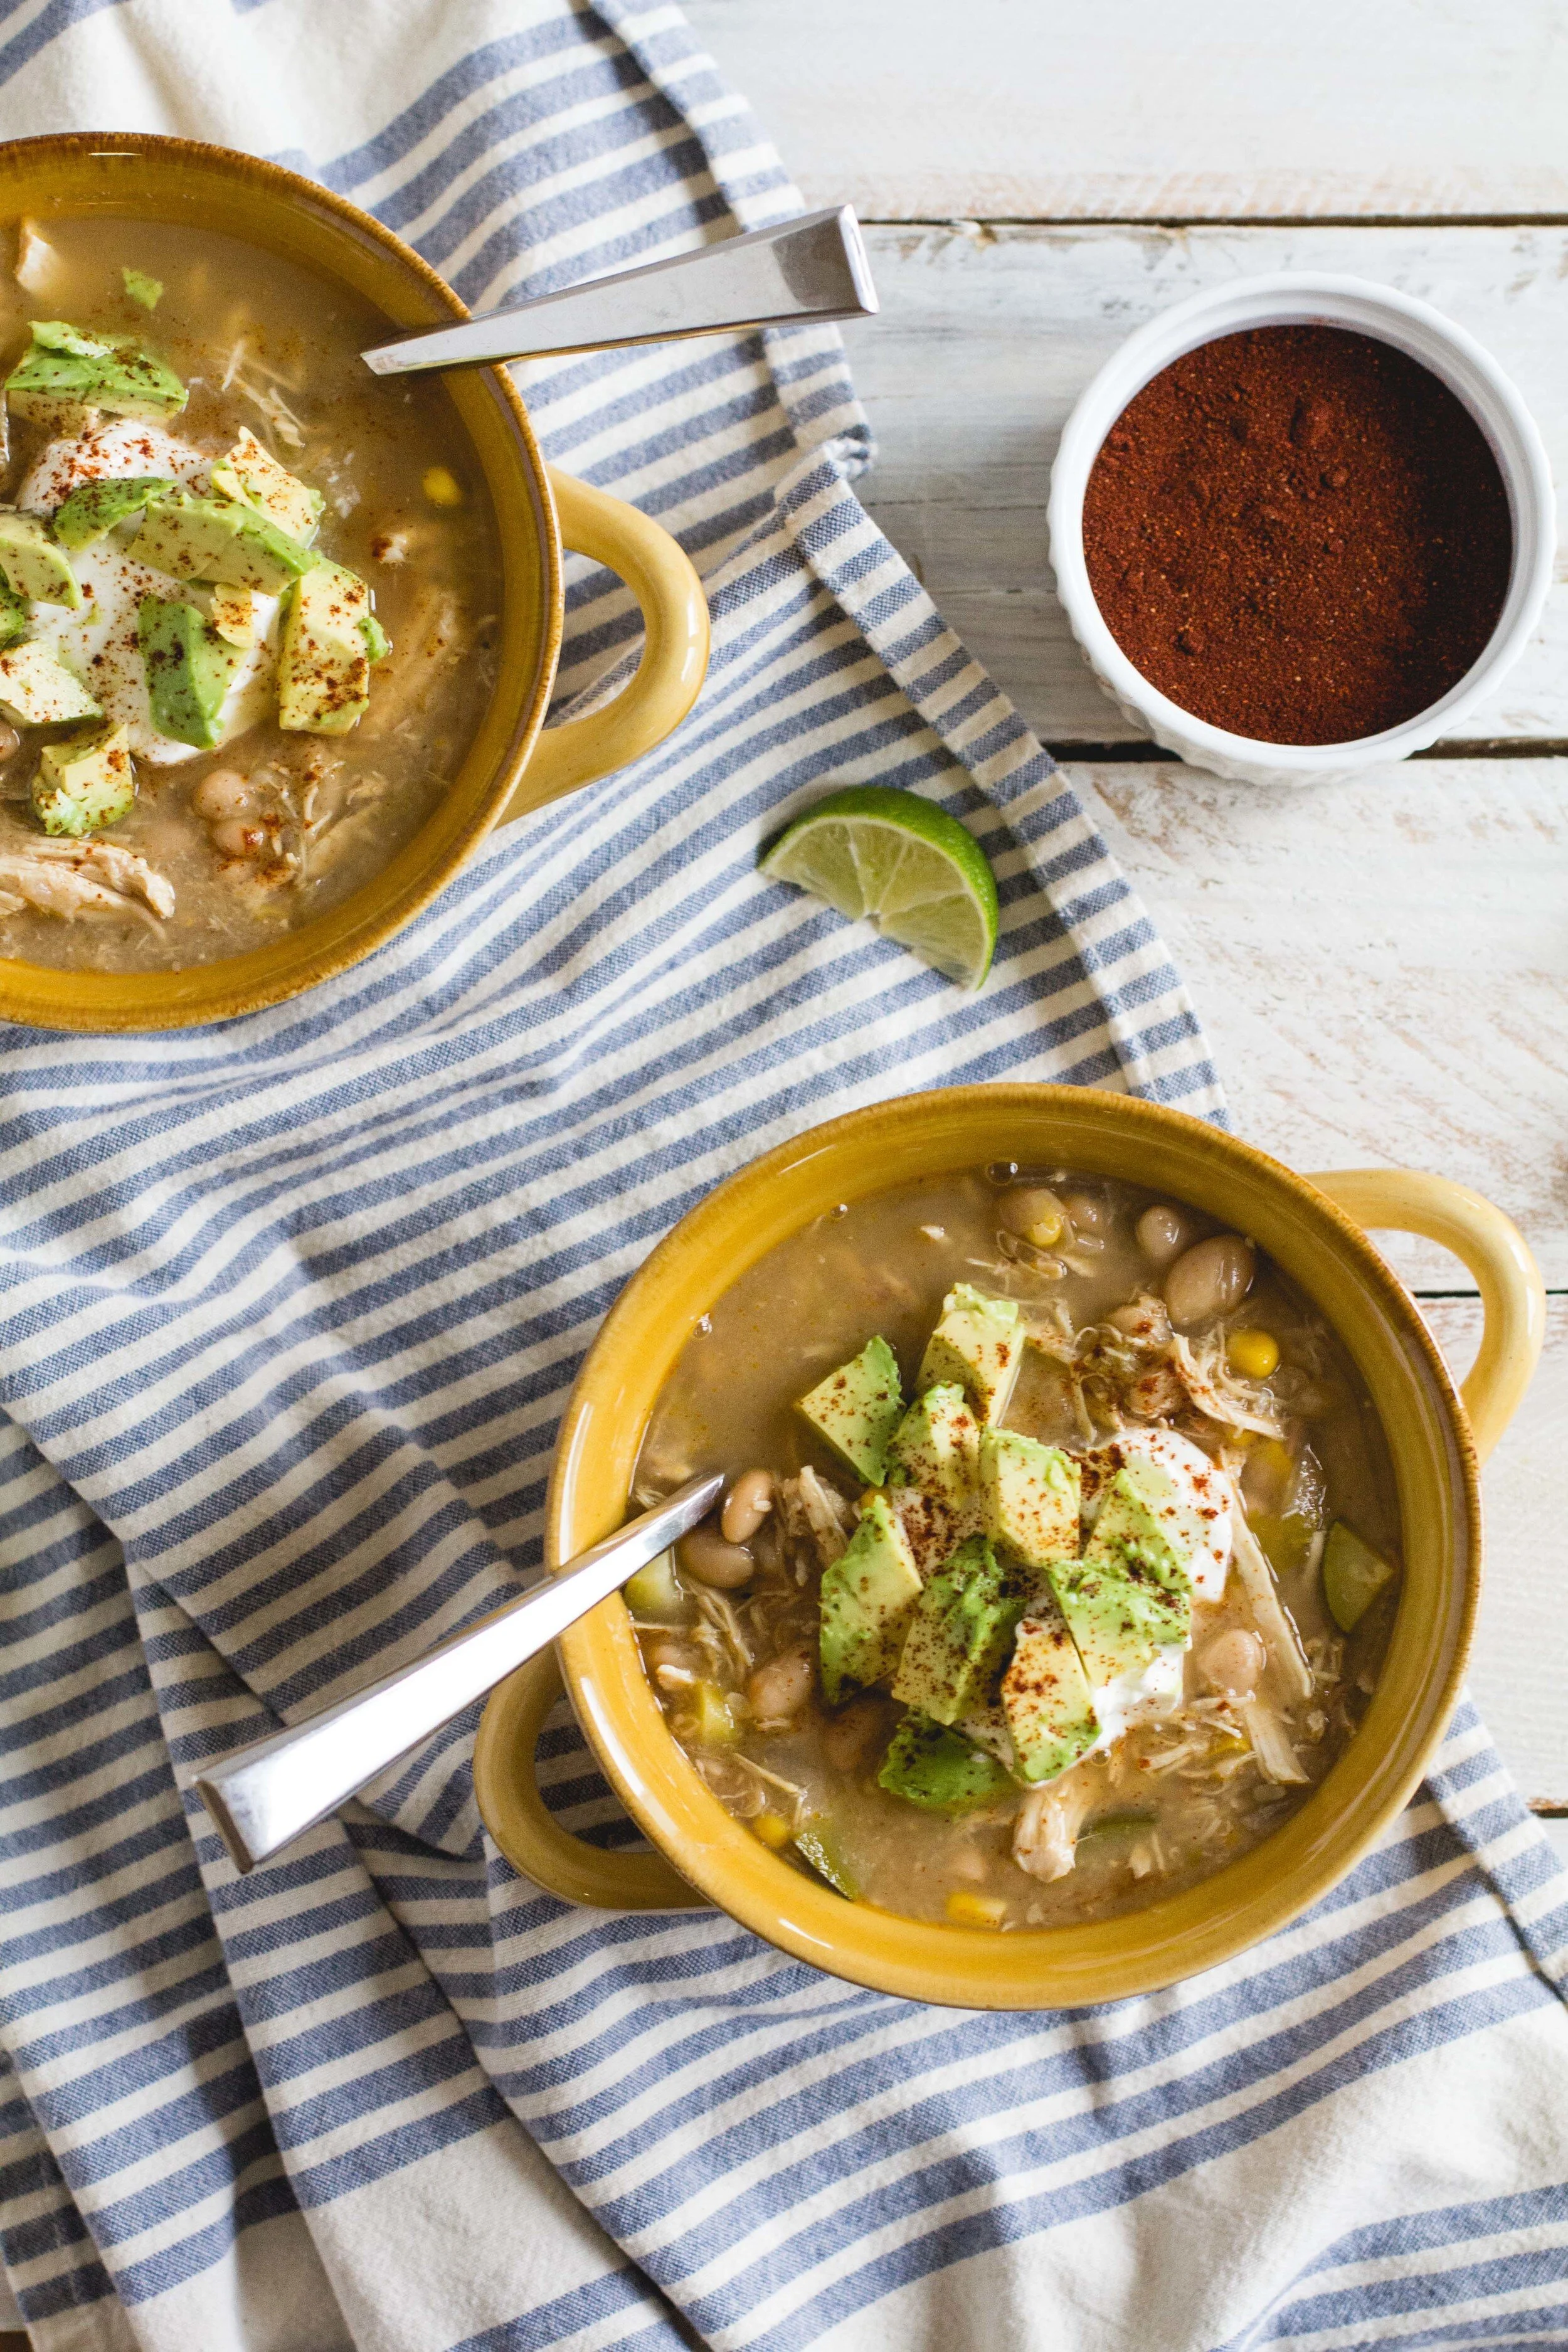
{"points": [[1302, 297]]}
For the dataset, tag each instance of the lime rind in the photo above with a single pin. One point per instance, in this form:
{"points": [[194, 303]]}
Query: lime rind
{"points": [[877, 853]]}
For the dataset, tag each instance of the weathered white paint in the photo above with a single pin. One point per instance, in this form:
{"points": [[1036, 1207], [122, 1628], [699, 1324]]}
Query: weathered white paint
{"points": [[987, 336], [922, 109], [1381, 968], [1521, 1637]]}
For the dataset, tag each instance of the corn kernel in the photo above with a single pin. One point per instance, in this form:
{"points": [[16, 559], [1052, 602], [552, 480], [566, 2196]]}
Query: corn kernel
{"points": [[1252, 1354], [441, 487], [773, 1829], [1046, 1231], [967, 1910]]}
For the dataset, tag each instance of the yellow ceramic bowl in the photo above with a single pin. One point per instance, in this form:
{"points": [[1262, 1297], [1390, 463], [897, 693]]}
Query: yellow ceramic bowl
{"points": [[1313, 1228], [509, 768]]}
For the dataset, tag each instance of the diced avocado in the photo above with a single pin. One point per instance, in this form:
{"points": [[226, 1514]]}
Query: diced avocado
{"points": [[939, 1769], [235, 615], [85, 783], [987, 1727], [867, 1597], [1353, 1576], [253, 476], [936, 1446], [1046, 1699], [656, 1591], [148, 292], [961, 1633], [1032, 1495], [1128, 1533], [64, 372], [818, 1842], [1130, 1596], [857, 1409], [94, 509], [35, 568], [37, 690], [712, 1718], [1120, 1623], [14, 618], [323, 660], [218, 539], [978, 1344], [190, 669], [377, 644]]}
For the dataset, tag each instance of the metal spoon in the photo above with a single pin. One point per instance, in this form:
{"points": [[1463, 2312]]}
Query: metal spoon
{"points": [[265, 1796], [812, 267]]}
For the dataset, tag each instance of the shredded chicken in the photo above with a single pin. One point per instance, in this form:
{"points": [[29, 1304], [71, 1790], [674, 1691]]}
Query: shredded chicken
{"points": [[1217, 1394], [1277, 1759], [723, 1626], [36, 260], [1273, 1620], [1045, 1835], [76, 877], [825, 1515]]}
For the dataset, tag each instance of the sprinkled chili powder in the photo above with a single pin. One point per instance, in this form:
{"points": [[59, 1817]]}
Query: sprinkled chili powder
{"points": [[1298, 534]]}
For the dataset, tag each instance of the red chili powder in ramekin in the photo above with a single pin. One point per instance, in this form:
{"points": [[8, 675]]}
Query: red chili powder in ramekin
{"points": [[1298, 534]]}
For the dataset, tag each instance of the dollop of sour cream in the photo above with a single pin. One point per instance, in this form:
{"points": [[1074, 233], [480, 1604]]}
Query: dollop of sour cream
{"points": [[100, 643]]}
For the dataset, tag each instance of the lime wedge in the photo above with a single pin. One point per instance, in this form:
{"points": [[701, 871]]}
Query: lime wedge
{"points": [[890, 858], [1353, 1576]]}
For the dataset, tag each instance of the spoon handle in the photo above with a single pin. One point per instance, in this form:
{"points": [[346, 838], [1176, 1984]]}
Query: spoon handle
{"points": [[811, 267], [263, 1797]]}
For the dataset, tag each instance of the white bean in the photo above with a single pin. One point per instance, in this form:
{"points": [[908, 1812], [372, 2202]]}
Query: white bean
{"points": [[1034, 1212], [1234, 1663], [10, 742], [705, 1554], [224, 792], [1163, 1232], [1089, 1215], [747, 1505], [781, 1688], [239, 836], [1209, 1280]]}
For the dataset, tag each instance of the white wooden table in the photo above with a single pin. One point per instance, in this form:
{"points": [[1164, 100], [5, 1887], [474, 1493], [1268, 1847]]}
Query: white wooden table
{"points": [[1382, 968]]}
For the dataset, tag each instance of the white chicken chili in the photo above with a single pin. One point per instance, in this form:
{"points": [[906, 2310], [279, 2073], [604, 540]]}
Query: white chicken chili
{"points": [[1057, 1558], [247, 593]]}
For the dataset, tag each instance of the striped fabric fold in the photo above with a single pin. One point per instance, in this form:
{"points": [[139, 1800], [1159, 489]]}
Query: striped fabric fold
{"points": [[289, 1310]]}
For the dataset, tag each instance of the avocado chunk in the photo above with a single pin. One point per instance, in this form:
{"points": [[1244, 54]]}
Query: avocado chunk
{"points": [[147, 291], [37, 690], [857, 1409], [235, 615], [190, 669], [324, 660], [1045, 1698], [818, 1842], [1031, 1495], [1130, 1596], [939, 1769], [867, 1597], [94, 509], [961, 1633], [253, 476], [14, 618], [217, 538], [979, 1344], [85, 783], [64, 373], [936, 1446], [35, 568], [1353, 1576]]}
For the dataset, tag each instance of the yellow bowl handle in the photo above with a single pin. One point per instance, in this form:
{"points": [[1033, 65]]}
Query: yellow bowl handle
{"points": [[1513, 1298], [660, 574], [527, 1831]]}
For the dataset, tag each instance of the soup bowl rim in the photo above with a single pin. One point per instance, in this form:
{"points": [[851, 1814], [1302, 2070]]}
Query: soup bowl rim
{"points": [[1431, 1452]]}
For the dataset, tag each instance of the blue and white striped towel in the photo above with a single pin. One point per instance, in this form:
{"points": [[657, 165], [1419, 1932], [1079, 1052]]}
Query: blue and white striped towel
{"points": [[287, 1310]]}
